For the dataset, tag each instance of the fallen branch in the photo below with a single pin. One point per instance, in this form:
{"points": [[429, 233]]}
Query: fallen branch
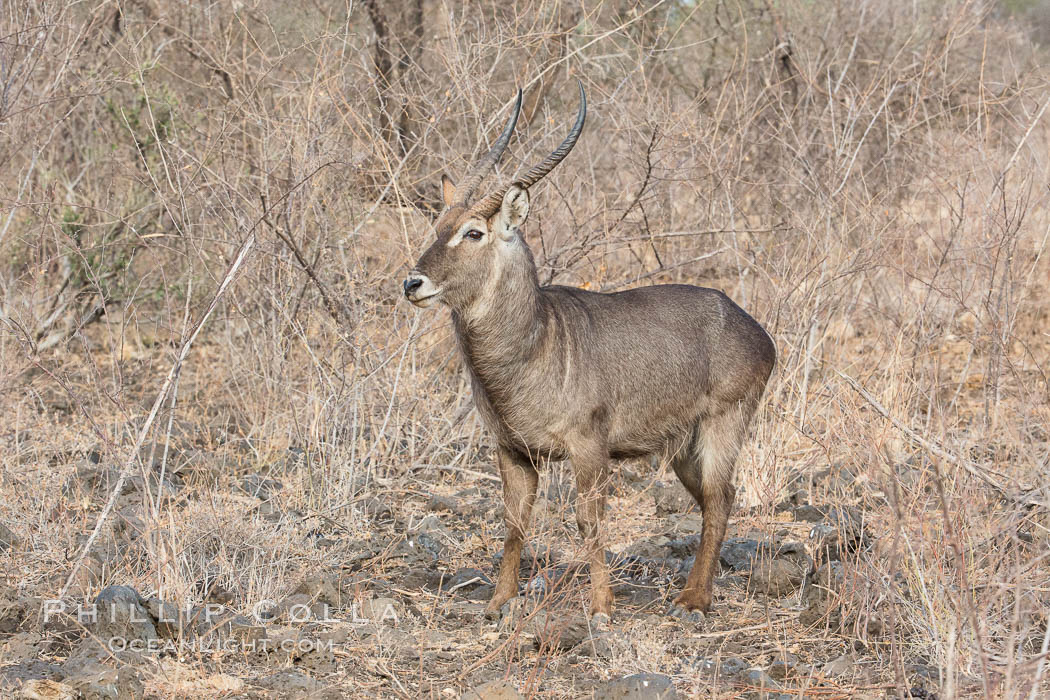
{"points": [[458, 470], [169, 382]]}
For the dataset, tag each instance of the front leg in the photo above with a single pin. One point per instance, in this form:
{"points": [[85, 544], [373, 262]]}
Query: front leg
{"points": [[591, 463], [519, 478]]}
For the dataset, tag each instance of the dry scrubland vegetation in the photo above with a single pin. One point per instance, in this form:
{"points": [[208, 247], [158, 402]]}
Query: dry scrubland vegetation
{"points": [[868, 179]]}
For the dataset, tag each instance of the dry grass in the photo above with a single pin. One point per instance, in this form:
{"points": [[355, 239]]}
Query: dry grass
{"points": [[868, 179]]}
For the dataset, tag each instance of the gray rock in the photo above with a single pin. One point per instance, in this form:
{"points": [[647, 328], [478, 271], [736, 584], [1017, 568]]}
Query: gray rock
{"points": [[420, 574], [403, 644], [290, 684], [464, 581], [808, 513], [321, 588], [600, 646], [381, 611], [649, 548], [633, 570], [129, 523], [537, 586], [822, 593], [672, 498], [436, 639], [640, 686], [91, 479], [196, 465], [721, 668], [420, 547], [796, 497], [33, 674], [171, 621], [166, 488], [738, 553], [684, 547], [781, 574], [839, 666], [776, 577], [225, 624], [431, 525], [688, 524], [375, 509], [16, 611], [837, 478], [534, 557], [920, 671], [757, 679], [299, 608], [95, 681], [259, 486], [562, 632], [296, 459], [840, 533], [783, 666], [269, 512], [915, 474], [493, 690], [8, 538], [123, 613], [462, 613], [439, 504], [358, 552], [829, 578], [152, 455]]}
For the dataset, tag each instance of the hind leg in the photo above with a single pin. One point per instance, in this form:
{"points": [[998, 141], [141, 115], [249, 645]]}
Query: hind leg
{"points": [[705, 468]]}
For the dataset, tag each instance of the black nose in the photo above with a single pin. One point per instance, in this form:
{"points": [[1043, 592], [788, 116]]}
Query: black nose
{"points": [[412, 284]]}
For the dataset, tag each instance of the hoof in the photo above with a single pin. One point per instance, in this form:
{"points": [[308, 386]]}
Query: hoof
{"points": [[684, 614], [508, 610]]}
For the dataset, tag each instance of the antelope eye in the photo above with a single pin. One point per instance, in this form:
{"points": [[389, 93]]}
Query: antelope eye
{"points": [[474, 235]]}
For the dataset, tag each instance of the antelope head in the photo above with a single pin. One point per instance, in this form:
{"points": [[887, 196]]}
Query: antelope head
{"points": [[478, 241]]}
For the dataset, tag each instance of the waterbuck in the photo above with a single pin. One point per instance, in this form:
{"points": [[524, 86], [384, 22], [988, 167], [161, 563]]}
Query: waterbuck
{"points": [[563, 373]]}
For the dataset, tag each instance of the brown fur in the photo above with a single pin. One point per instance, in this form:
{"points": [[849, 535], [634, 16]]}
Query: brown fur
{"points": [[563, 373]]}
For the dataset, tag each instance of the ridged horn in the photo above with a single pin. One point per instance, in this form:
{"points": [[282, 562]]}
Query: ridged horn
{"points": [[481, 168], [490, 205]]}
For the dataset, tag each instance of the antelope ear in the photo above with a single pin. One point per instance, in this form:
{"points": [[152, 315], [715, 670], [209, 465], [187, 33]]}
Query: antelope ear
{"points": [[448, 190], [514, 210]]}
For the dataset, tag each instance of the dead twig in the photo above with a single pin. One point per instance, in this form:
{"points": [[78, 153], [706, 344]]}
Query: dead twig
{"points": [[653, 273], [169, 382], [338, 312], [983, 474]]}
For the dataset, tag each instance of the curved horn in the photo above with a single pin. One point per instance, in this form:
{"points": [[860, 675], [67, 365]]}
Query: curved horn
{"points": [[490, 204], [481, 168]]}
